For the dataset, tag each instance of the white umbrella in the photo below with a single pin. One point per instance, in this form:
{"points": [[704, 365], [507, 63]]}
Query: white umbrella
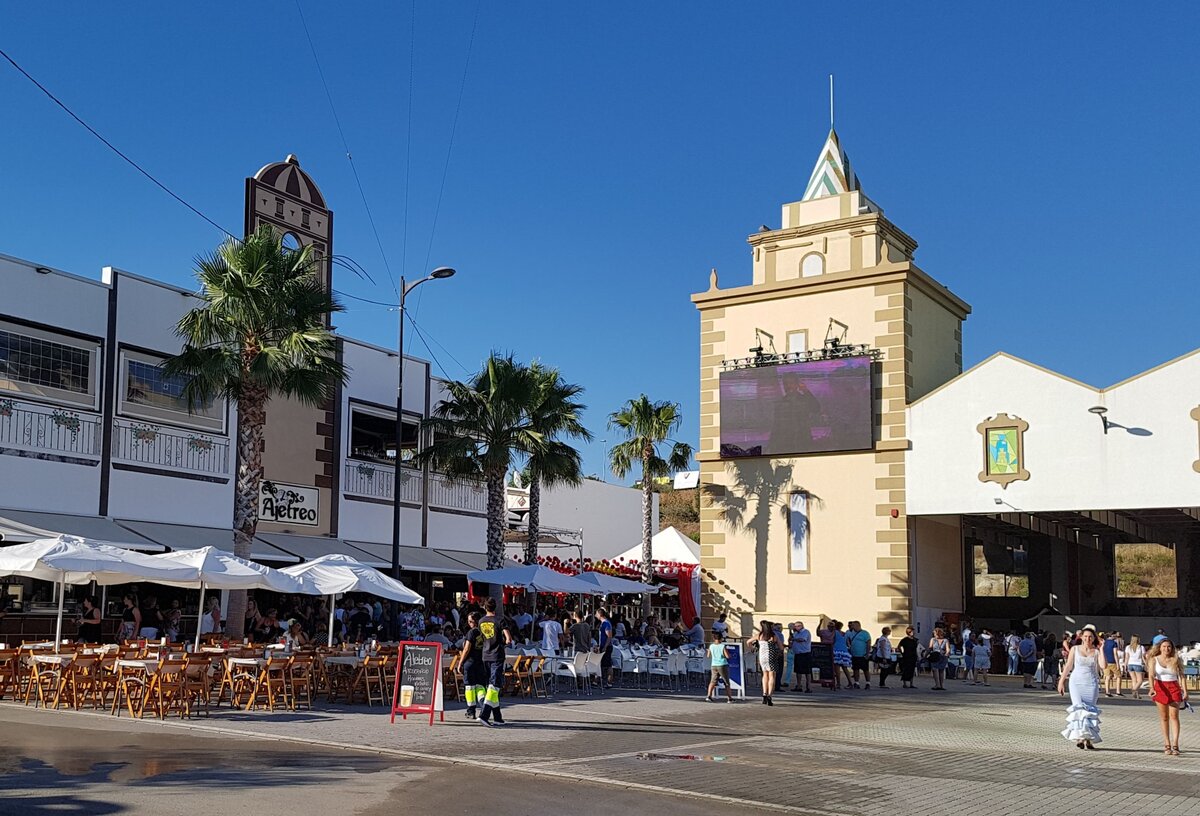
{"points": [[73, 560], [537, 578], [217, 569], [334, 574], [612, 585]]}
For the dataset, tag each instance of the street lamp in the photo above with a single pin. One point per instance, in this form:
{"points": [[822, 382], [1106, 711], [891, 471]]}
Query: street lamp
{"points": [[437, 274]]}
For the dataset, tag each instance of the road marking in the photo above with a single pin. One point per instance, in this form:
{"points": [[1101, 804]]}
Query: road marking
{"points": [[674, 749]]}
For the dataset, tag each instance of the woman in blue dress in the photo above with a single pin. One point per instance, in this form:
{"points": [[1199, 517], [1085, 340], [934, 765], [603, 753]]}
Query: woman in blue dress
{"points": [[1081, 675], [841, 656]]}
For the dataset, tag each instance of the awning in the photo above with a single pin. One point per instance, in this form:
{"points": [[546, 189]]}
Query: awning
{"points": [[476, 561], [309, 548], [417, 559], [18, 526], [187, 537]]}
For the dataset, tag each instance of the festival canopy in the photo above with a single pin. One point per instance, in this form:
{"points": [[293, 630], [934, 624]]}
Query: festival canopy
{"points": [[217, 569], [667, 545], [73, 560], [537, 578], [613, 585]]}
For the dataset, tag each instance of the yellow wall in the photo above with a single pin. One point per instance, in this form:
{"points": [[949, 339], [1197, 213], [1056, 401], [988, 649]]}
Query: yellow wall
{"points": [[936, 341], [860, 556]]}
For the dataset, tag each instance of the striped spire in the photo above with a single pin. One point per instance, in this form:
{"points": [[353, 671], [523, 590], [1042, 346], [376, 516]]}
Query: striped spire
{"points": [[832, 174]]}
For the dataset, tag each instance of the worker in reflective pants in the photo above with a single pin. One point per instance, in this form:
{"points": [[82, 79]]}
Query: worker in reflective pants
{"points": [[493, 638]]}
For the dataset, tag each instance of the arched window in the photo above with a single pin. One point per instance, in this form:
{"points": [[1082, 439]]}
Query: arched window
{"points": [[812, 265], [290, 242]]}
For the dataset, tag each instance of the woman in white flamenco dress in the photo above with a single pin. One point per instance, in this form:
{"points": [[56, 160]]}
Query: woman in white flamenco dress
{"points": [[1081, 674]]}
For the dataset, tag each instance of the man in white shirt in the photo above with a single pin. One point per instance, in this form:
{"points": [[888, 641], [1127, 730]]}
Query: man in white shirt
{"points": [[800, 644], [968, 652], [720, 627], [524, 620], [552, 635]]}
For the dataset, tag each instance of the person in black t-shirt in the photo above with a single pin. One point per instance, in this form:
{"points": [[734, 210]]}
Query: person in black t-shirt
{"points": [[493, 638], [472, 666]]}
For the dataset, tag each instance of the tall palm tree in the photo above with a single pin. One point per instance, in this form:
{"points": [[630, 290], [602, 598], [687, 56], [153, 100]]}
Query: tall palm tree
{"points": [[554, 413], [647, 426], [480, 430], [259, 332]]}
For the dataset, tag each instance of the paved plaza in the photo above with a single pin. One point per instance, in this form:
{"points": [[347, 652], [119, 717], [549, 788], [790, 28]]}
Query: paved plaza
{"points": [[968, 750]]}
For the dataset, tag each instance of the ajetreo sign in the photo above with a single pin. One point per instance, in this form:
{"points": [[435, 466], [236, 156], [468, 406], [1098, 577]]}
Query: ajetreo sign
{"points": [[288, 503]]}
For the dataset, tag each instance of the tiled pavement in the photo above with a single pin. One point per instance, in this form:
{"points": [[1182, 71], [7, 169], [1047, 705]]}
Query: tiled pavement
{"points": [[966, 751]]}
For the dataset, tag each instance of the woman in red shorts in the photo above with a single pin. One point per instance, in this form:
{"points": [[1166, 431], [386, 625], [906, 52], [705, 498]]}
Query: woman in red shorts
{"points": [[1168, 691]]}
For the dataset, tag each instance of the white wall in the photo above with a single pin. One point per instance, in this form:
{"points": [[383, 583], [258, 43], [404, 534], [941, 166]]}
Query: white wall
{"points": [[1072, 463], [609, 515], [152, 497], [79, 305], [450, 531], [373, 376]]}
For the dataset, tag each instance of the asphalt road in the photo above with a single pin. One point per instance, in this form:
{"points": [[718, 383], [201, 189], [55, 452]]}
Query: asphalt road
{"points": [[55, 764]]}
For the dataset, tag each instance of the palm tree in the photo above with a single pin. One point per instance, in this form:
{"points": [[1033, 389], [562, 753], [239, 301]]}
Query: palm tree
{"points": [[555, 414], [260, 332], [647, 425], [480, 430]]}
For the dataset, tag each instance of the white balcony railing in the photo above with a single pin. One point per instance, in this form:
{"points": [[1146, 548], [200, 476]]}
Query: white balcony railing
{"points": [[153, 446], [43, 429], [374, 481]]}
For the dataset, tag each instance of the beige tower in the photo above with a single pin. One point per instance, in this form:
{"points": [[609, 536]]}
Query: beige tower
{"points": [[301, 442], [795, 529]]}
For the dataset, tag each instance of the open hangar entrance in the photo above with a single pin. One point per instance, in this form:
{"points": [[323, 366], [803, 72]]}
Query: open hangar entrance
{"points": [[1129, 570]]}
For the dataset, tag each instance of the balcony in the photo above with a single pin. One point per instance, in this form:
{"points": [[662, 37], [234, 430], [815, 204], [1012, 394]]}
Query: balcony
{"points": [[372, 480], [153, 446], [47, 432]]}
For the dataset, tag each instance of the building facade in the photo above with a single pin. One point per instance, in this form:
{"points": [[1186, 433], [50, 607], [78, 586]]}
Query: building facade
{"points": [[799, 535]]}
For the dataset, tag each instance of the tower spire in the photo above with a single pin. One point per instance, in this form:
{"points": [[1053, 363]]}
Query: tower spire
{"points": [[831, 101]]}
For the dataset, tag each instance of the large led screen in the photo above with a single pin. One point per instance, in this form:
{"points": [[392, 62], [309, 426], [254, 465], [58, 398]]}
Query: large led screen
{"points": [[813, 407]]}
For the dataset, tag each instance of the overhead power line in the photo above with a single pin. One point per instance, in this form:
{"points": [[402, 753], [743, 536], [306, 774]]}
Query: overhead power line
{"points": [[462, 86], [111, 146], [346, 146]]}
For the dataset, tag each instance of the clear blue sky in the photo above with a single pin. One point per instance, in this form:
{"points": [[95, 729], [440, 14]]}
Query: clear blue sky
{"points": [[1044, 156]]}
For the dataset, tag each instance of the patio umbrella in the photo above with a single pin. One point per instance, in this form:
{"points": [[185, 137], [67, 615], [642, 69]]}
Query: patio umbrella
{"points": [[217, 569], [537, 578], [72, 560], [336, 573], [612, 585]]}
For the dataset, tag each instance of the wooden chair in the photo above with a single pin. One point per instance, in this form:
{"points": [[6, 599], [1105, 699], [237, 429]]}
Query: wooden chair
{"points": [[46, 678], [198, 683], [10, 673], [79, 682], [453, 677], [271, 689], [369, 680], [301, 675], [165, 690], [132, 687], [537, 676]]}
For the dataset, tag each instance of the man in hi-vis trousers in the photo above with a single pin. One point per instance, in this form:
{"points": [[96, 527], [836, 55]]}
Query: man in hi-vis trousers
{"points": [[471, 666], [493, 638]]}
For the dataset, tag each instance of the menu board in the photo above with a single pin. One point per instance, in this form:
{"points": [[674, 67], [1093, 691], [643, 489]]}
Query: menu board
{"points": [[418, 679]]}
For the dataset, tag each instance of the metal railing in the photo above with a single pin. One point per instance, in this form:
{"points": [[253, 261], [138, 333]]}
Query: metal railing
{"points": [[151, 445], [375, 481], [50, 430]]}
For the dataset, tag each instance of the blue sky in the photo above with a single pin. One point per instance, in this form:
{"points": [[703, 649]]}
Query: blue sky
{"points": [[606, 156]]}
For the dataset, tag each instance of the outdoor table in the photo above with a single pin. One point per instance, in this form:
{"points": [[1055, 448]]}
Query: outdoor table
{"points": [[249, 667], [52, 664], [341, 668]]}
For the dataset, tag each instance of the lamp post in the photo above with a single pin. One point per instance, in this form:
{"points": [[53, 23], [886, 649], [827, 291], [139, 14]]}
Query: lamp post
{"points": [[405, 288]]}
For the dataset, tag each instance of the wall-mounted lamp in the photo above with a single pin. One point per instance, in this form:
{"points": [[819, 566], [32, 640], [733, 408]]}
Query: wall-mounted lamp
{"points": [[41, 270], [1100, 411], [998, 500]]}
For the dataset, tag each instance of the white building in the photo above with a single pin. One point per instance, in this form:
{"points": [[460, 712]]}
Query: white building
{"points": [[1022, 482]]}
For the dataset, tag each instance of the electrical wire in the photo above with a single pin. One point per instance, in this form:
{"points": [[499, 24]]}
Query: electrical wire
{"points": [[439, 345], [424, 342], [450, 147], [113, 147], [340, 293], [346, 145], [412, 47]]}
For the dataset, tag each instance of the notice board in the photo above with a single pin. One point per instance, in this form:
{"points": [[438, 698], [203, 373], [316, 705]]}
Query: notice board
{"points": [[418, 687]]}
